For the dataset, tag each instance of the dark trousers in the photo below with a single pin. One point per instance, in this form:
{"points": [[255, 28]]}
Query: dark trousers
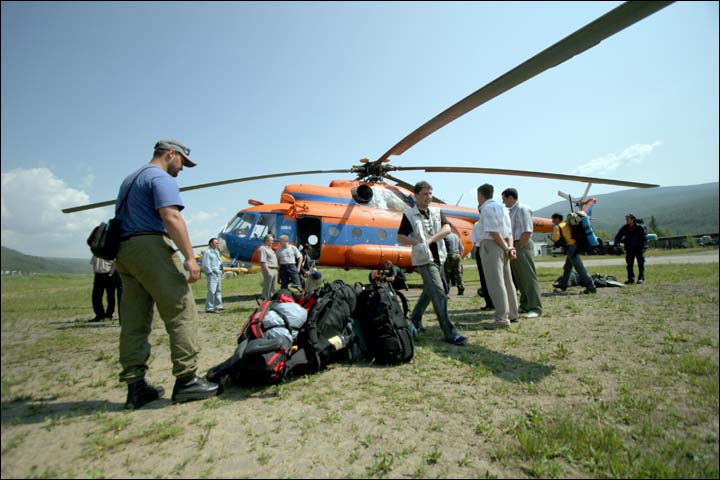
{"points": [[289, 274], [483, 284], [630, 256], [103, 284]]}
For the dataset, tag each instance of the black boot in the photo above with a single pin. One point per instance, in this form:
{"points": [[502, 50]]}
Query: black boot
{"points": [[193, 388], [140, 393]]}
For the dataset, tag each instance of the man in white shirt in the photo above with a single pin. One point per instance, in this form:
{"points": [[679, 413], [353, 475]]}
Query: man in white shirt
{"points": [[494, 232]]}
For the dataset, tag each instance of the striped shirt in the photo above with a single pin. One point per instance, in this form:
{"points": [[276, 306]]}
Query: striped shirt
{"points": [[521, 220]]}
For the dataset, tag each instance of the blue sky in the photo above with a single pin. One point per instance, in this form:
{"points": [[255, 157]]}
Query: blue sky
{"points": [[261, 88]]}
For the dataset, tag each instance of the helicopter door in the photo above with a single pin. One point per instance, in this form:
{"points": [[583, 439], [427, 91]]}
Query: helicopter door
{"points": [[309, 230]]}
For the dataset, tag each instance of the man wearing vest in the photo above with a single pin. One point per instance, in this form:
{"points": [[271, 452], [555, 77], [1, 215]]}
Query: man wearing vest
{"points": [[424, 227]]}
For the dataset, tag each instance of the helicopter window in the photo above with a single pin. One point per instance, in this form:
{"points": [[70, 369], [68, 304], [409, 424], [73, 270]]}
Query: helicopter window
{"points": [[382, 234], [240, 225], [334, 231], [356, 232], [313, 240], [264, 225], [389, 200]]}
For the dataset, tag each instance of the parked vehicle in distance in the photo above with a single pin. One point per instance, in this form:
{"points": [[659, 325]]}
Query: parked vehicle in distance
{"points": [[706, 241]]}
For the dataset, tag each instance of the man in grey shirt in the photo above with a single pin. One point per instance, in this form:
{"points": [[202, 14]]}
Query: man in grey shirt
{"points": [[290, 260], [523, 267], [269, 263], [453, 262]]}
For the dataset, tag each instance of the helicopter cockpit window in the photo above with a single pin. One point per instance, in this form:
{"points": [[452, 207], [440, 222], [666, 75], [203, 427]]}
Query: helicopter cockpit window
{"points": [[240, 226], [389, 200], [264, 225]]}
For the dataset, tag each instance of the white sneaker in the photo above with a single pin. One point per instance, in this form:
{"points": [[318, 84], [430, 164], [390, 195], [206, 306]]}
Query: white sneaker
{"points": [[531, 315]]}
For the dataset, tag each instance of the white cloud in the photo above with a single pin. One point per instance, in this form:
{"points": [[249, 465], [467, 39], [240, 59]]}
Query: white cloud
{"points": [[87, 180], [632, 155], [32, 221], [202, 226]]}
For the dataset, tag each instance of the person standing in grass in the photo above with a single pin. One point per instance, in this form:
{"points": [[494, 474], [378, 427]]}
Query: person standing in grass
{"points": [[523, 267], [103, 283], [154, 276], [290, 260], [493, 231], [634, 235], [453, 263], [269, 265], [212, 266]]}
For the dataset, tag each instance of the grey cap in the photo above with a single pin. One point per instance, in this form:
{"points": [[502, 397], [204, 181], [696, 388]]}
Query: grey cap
{"points": [[171, 144]]}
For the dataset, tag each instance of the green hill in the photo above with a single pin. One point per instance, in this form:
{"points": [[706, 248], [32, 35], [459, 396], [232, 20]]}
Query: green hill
{"points": [[12, 260], [687, 210]]}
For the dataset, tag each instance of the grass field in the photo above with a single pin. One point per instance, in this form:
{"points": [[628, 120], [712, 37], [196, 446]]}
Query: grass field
{"points": [[621, 384]]}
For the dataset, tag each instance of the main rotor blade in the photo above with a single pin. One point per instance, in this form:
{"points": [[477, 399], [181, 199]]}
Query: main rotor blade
{"points": [[527, 173], [260, 177], [211, 184], [587, 37], [408, 186]]}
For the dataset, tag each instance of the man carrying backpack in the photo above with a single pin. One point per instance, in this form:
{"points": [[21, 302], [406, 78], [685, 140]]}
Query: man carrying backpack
{"points": [[562, 237], [634, 235]]}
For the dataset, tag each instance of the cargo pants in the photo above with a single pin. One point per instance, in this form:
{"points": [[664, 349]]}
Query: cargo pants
{"points": [[153, 275]]}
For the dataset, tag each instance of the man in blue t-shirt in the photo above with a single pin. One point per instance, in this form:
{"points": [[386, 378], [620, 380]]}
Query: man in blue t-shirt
{"points": [[153, 275]]}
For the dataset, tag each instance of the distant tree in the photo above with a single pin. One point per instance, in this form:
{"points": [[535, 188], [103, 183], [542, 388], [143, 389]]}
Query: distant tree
{"points": [[659, 231], [604, 235]]}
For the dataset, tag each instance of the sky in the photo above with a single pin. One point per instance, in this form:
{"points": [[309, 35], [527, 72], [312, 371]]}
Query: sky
{"points": [[256, 88]]}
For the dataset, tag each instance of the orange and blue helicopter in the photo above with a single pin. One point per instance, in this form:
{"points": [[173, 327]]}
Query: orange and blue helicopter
{"points": [[350, 224], [353, 223]]}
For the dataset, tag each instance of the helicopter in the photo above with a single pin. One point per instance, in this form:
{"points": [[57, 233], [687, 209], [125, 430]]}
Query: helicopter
{"points": [[353, 223]]}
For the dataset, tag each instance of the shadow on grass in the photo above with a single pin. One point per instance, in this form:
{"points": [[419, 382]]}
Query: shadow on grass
{"points": [[507, 367], [29, 410], [85, 323]]}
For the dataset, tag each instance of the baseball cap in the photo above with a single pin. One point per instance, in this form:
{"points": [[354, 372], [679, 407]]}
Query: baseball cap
{"points": [[171, 144]]}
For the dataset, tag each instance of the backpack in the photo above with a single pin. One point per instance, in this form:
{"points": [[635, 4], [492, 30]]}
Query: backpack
{"points": [[573, 280], [264, 344], [606, 280], [384, 333], [577, 232], [327, 336]]}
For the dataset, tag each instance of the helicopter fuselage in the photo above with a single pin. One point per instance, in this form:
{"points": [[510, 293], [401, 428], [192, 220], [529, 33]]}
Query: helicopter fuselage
{"points": [[350, 224]]}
